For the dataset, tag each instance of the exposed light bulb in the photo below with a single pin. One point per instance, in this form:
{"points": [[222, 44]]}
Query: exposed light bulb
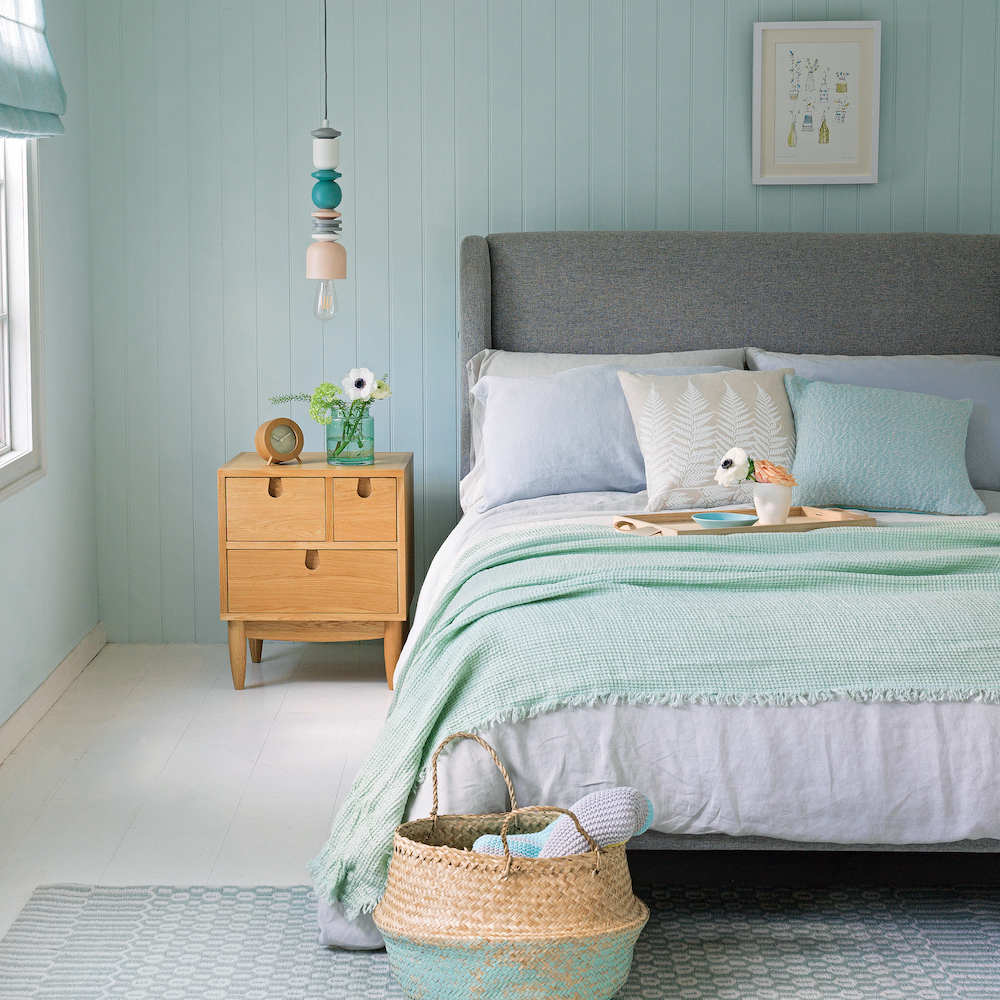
{"points": [[326, 305]]}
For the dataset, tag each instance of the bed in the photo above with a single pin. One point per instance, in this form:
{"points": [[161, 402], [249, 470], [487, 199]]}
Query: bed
{"points": [[880, 773]]}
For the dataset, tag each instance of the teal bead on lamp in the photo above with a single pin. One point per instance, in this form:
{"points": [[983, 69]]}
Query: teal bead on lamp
{"points": [[326, 191]]}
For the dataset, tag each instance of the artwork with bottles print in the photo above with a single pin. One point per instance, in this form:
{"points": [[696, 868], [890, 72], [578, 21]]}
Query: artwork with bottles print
{"points": [[813, 87]]}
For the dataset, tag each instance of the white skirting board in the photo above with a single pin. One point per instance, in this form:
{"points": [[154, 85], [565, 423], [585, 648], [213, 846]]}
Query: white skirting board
{"points": [[48, 692]]}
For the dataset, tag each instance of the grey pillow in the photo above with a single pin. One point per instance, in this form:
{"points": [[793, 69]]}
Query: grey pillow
{"points": [[520, 364], [953, 376], [570, 432]]}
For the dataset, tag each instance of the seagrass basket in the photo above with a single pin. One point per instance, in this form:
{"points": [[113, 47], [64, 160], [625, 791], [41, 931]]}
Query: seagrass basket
{"points": [[459, 925]]}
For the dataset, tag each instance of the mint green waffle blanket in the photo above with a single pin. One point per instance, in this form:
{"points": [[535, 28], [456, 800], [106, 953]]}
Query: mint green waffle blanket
{"points": [[547, 617]]}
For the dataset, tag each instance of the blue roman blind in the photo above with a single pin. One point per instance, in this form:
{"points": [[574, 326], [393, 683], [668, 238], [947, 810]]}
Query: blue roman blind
{"points": [[31, 94]]}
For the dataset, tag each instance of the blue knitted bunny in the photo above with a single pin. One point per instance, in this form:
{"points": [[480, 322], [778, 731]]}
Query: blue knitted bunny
{"points": [[610, 817]]}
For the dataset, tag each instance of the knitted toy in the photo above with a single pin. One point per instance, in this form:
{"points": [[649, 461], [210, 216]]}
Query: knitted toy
{"points": [[610, 817]]}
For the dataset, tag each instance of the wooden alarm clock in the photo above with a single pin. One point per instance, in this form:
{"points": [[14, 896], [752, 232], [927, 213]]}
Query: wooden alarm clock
{"points": [[279, 440]]}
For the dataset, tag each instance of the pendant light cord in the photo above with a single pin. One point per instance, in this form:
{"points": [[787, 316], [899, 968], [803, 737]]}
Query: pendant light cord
{"points": [[326, 78]]}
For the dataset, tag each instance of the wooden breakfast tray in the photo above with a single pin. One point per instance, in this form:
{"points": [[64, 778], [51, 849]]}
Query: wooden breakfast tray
{"points": [[799, 519]]}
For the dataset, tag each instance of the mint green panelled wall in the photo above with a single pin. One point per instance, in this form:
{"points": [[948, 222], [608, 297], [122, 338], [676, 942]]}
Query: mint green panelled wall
{"points": [[48, 535], [458, 117]]}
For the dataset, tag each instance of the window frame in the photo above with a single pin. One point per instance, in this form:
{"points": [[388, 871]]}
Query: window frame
{"points": [[23, 463]]}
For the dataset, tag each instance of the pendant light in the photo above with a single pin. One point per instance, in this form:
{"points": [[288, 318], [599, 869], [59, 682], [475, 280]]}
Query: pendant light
{"points": [[326, 259]]}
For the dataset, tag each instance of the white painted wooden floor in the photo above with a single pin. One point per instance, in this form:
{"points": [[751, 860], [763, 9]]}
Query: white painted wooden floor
{"points": [[151, 769]]}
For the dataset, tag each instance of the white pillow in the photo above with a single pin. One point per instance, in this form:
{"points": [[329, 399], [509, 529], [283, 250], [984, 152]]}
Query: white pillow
{"points": [[518, 364], [686, 423]]}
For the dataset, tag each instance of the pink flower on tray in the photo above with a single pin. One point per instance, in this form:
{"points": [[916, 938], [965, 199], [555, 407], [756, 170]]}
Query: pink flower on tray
{"points": [[768, 472]]}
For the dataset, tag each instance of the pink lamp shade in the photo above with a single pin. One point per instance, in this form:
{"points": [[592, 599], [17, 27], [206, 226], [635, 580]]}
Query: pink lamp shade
{"points": [[326, 259]]}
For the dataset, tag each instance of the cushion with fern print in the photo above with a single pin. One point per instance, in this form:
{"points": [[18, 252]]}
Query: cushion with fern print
{"points": [[685, 424]]}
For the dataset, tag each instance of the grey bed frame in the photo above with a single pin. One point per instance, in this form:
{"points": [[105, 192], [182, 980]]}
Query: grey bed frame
{"points": [[646, 292]]}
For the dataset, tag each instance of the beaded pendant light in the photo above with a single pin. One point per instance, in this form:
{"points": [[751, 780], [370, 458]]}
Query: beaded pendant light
{"points": [[326, 259]]}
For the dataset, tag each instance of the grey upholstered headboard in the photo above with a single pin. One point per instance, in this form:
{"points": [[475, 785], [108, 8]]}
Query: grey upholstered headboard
{"points": [[643, 292]]}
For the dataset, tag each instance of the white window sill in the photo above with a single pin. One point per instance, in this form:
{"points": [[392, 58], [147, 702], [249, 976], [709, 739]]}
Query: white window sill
{"points": [[19, 470]]}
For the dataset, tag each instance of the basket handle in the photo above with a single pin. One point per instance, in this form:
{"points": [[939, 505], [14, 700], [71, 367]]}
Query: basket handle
{"points": [[525, 809], [489, 750]]}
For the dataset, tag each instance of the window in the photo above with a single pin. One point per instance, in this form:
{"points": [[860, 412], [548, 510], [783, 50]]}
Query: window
{"points": [[22, 453]]}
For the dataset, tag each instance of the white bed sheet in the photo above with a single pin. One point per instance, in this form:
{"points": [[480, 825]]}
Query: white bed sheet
{"points": [[838, 772]]}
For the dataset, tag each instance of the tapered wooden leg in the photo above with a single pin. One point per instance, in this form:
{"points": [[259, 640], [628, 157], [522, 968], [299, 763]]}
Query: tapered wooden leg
{"points": [[256, 649], [238, 653], [395, 636]]}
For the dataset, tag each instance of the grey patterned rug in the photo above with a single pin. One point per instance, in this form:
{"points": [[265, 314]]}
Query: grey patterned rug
{"points": [[85, 943]]}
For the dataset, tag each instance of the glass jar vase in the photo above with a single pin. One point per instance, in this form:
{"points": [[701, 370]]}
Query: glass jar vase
{"points": [[350, 442]]}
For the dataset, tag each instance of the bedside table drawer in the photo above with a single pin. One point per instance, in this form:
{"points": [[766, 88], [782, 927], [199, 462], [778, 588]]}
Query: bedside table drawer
{"points": [[276, 509], [313, 581], [364, 510]]}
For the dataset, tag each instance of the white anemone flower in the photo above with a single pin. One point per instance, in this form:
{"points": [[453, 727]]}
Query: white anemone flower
{"points": [[359, 384], [735, 466], [381, 389]]}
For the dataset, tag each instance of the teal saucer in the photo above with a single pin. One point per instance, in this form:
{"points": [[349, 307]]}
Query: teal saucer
{"points": [[723, 519]]}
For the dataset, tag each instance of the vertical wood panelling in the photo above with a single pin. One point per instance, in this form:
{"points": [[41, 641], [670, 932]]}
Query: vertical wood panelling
{"points": [[640, 114], [708, 118], [141, 172], [105, 70], [239, 223], [406, 264], [979, 66], [539, 82], [573, 114], [271, 273], [371, 182], [208, 367], [944, 116], [909, 165], [173, 306], [472, 101], [506, 119], [741, 195], [673, 120], [457, 118], [439, 493], [607, 131]]}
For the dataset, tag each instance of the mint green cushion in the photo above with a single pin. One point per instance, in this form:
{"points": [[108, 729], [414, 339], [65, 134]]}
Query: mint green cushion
{"points": [[880, 449]]}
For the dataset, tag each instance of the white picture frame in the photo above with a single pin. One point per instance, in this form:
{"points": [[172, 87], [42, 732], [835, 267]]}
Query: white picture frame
{"points": [[825, 76]]}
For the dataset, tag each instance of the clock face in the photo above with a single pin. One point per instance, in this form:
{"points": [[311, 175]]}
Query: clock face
{"points": [[282, 439]]}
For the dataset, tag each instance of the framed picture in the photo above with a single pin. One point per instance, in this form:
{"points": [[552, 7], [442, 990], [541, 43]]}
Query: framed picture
{"points": [[815, 102]]}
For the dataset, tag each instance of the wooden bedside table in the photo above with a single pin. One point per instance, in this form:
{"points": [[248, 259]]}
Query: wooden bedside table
{"points": [[315, 552]]}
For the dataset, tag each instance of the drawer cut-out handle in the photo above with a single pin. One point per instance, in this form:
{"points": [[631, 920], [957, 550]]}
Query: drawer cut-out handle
{"points": [[364, 487], [312, 559], [275, 487]]}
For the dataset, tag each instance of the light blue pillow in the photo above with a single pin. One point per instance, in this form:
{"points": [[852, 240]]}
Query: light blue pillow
{"points": [[565, 433], [954, 376], [879, 449]]}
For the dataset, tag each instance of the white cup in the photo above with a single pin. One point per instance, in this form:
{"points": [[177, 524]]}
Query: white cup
{"points": [[772, 502]]}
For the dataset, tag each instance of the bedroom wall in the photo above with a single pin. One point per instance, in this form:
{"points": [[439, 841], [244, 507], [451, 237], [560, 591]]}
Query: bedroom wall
{"points": [[48, 535], [459, 116]]}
